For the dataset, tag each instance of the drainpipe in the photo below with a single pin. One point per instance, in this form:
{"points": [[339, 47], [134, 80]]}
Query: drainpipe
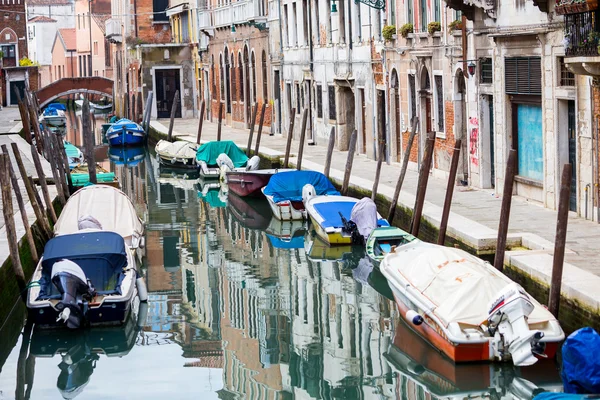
{"points": [[310, 52], [281, 65]]}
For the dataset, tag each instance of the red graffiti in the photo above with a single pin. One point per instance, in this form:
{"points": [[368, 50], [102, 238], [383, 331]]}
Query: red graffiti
{"points": [[473, 146]]}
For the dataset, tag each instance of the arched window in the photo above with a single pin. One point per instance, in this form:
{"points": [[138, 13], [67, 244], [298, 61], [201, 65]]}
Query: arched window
{"points": [[233, 78], [253, 78], [265, 77], [214, 77], [241, 76], [227, 81], [222, 96]]}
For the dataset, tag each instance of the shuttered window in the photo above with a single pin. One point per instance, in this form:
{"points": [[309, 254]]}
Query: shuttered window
{"points": [[486, 74], [523, 75]]}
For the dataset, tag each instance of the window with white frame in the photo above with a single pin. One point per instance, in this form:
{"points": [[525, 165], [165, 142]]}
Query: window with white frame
{"points": [[439, 98]]}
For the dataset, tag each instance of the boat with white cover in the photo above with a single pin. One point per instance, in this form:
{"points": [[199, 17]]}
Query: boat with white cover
{"points": [[180, 154], [88, 273], [466, 308]]}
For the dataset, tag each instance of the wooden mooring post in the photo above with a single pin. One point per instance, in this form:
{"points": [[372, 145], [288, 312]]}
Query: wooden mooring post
{"points": [[411, 139], [260, 128], [302, 137], [43, 183], [251, 134], [65, 160], [449, 192], [17, 190], [63, 171], [148, 111], [220, 124], [349, 161], [24, 117], [173, 112], [139, 107], [88, 140], [509, 178], [52, 159], [562, 222], [288, 145], [422, 184], [380, 157], [330, 147], [33, 118], [200, 122], [9, 223], [32, 193]]}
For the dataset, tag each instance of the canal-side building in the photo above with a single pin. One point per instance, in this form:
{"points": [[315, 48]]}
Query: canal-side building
{"points": [[64, 61], [13, 44]]}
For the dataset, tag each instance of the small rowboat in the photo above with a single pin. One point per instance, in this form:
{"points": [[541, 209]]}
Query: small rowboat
{"points": [[125, 132], [384, 240], [180, 154], [250, 183], [466, 308]]}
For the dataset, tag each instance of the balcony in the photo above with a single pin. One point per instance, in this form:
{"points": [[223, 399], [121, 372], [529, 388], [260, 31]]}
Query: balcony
{"points": [[582, 42], [204, 19], [240, 12], [113, 30]]}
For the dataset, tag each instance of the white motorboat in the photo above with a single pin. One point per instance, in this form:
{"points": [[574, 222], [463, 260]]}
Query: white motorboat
{"points": [[180, 154], [466, 308]]}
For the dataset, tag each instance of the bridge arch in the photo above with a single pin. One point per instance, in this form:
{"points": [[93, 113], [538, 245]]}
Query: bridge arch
{"points": [[65, 86]]}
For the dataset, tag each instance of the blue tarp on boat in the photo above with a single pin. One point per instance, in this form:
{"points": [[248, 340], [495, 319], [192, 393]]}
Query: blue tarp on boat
{"points": [[288, 185], [561, 396], [330, 211], [295, 242], [581, 364], [209, 152], [101, 256], [56, 106], [125, 123]]}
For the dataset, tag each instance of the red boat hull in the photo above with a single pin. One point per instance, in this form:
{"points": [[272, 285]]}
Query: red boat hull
{"points": [[248, 183]]}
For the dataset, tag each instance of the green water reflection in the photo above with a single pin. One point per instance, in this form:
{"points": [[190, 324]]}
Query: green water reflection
{"points": [[245, 306]]}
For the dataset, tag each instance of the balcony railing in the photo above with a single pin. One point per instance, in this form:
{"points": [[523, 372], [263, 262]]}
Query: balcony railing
{"points": [[113, 30], [239, 12], [204, 19], [582, 34]]}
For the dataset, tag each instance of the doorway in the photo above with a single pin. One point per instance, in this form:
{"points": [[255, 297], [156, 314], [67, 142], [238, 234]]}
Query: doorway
{"points": [[345, 116], [571, 127], [14, 86], [167, 83], [363, 120], [381, 121]]}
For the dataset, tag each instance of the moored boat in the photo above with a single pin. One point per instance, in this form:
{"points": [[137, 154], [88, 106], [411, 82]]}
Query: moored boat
{"points": [[54, 115], [74, 155], [127, 156], [125, 132], [249, 183], [179, 154], [209, 158], [286, 234], [331, 215], [466, 308], [250, 212], [285, 190], [384, 240], [88, 274]]}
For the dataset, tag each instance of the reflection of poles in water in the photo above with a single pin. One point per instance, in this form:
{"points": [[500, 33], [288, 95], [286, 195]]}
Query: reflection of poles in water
{"points": [[25, 366]]}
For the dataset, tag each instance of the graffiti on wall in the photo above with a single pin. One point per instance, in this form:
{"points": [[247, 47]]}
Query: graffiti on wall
{"points": [[473, 137]]}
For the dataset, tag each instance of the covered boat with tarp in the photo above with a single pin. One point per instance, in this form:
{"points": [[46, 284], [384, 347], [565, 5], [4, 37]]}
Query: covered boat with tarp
{"points": [[468, 309], [207, 157], [54, 115], [88, 273], [179, 154], [127, 156], [125, 132], [285, 190]]}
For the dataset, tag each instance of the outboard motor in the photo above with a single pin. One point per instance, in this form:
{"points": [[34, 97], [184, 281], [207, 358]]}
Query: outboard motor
{"points": [[308, 191], [223, 160], [253, 163], [364, 215], [351, 228], [76, 369], [508, 317], [76, 291]]}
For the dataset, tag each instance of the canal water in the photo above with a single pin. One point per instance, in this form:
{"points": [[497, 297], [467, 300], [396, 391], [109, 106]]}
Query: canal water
{"points": [[243, 306]]}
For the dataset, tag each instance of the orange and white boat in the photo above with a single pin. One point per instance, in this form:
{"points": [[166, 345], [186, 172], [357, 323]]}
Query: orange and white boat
{"points": [[466, 308]]}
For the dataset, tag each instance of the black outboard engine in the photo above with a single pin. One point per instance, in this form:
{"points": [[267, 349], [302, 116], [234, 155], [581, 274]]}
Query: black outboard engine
{"points": [[76, 291], [351, 228], [76, 369]]}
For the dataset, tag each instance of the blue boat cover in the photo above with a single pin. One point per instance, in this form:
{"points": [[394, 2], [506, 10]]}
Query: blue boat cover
{"points": [[296, 242], [330, 211], [124, 123], [209, 152], [56, 106], [581, 364], [288, 185], [101, 256], [561, 396], [129, 156]]}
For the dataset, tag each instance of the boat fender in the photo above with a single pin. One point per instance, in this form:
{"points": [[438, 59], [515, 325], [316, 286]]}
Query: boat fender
{"points": [[224, 160], [141, 288], [308, 191], [142, 315], [253, 163], [414, 317]]}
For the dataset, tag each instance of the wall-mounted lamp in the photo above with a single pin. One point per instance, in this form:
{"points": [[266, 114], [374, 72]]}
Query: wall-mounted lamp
{"points": [[471, 68], [232, 28], [333, 7]]}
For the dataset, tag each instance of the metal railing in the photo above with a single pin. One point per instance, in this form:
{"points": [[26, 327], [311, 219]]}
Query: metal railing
{"points": [[582, 34], [239, 12]]}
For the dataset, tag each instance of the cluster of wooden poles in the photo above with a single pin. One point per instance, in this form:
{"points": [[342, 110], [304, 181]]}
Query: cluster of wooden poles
{"points": [[44, 143]]}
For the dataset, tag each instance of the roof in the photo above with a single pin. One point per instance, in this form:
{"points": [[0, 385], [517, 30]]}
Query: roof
{"points": [[69, 38], [41, 18]]}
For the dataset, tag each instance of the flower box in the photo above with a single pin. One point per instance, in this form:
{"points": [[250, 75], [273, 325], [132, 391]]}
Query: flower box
{"points": [[573, 7]]}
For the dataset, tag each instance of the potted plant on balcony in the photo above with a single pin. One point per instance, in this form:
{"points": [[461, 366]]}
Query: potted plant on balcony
{"points": [[389, 32], [406, 29], [433, 27], [455, 25], [594, 38], [575, 6]]}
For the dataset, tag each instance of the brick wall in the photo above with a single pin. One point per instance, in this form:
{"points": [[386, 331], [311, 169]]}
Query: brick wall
{"points": [[148, 31], [414, 150], [9, 14], [444, 147]]}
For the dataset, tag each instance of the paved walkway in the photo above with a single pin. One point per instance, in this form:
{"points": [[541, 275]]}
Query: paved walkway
{"points": [[475, 213]]}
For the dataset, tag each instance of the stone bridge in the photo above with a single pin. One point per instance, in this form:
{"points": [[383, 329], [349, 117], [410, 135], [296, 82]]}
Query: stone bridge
{"points": [[66, 86]]}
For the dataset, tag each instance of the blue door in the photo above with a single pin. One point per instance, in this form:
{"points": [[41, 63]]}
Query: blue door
{"points": [[530, 142]]}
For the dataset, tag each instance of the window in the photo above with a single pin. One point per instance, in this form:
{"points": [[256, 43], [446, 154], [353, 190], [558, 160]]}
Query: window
{"points": [[409, 11], [315, 7], [566, 78], [413, 100], [305, 32], [95, 48], [392, 7], [319, 101], [295, 24], [342, 21], [214, 77], [331, 94], [83, 17], [78, 21], [265, 77], [222, 81], [284, 26], [423, 12], [253, 78], [159, 7], [439, 91], [288, 90], [437, 6], [298, 104], [80, 66], [233, 78], [486, 74], [241, 75], [523, 75]]}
